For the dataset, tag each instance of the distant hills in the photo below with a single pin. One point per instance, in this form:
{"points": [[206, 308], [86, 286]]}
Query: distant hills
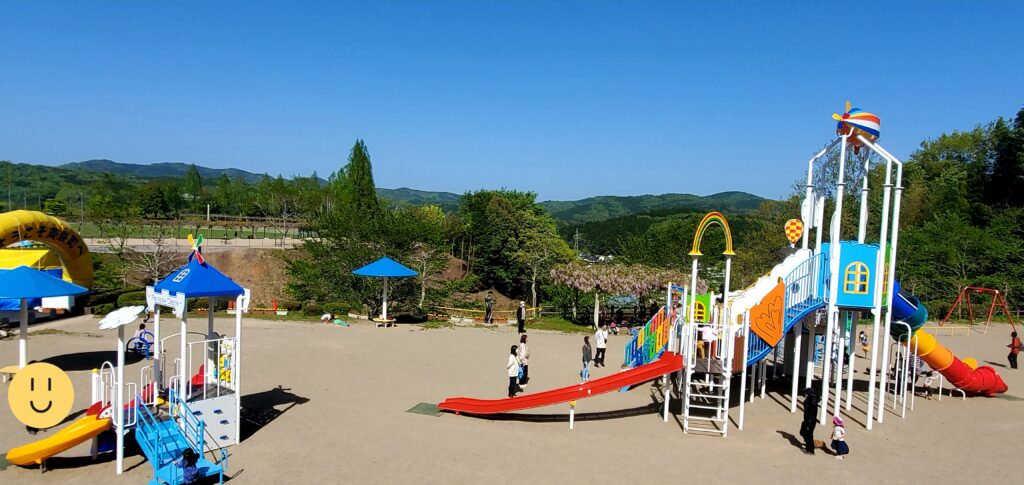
{"points": [[611, 206], [161, 170], [565, 211]]}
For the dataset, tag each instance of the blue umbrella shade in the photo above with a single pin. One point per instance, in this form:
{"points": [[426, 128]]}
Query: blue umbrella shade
{"points": [[385, 267], [25, 282], [196, 280]]}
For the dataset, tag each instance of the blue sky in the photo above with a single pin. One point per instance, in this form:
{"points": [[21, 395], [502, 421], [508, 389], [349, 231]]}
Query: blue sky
{"points": [[567, 99]]}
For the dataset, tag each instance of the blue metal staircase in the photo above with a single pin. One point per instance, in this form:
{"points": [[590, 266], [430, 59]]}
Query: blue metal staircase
{"points": [[164, 441], [802, 299]]}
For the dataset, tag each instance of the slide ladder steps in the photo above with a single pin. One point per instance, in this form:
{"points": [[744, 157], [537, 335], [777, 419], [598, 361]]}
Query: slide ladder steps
{"points": [[709, 394]]}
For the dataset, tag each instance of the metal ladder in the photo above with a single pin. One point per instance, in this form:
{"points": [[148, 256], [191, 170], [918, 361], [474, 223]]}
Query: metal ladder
{"points": [[706, 390]]}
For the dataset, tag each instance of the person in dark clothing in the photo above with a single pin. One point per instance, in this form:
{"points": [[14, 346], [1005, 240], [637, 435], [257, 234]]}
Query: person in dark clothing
{"points": [[654, 310], [488, 306], [618, 317], [1014, 350], [521, 316], [810, 419]]}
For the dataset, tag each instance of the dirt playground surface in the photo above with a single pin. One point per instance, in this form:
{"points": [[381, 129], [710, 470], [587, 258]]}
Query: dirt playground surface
{"points": [[332, 403]]}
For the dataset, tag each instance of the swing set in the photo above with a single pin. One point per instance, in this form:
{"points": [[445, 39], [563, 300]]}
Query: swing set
{"points": [[965, 294]]}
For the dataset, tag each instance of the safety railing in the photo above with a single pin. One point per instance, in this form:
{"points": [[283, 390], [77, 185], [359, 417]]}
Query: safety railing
{"points": [[800, 297], [218, 364], [650, 341], [193, 427], [153, 444]]}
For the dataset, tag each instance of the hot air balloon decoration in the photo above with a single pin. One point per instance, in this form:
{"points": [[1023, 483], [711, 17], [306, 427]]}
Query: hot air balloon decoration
{"points": [[856, 121], [794, 231]]}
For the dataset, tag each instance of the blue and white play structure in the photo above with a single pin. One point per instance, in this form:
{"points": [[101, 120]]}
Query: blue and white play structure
{"points": [[818, 288]]}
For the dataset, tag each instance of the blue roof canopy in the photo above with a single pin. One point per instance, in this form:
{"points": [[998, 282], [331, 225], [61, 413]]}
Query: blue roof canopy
{"points": [[196, 280], [386, 267], [25, 282]]}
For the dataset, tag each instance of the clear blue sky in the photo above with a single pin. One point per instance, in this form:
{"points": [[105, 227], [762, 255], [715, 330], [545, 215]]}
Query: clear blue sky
{"points": [[567, 99]]}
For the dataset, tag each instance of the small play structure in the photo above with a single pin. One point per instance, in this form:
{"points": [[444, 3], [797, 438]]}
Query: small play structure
{"points": [[964, 297], [820, 291], [188, 401]]}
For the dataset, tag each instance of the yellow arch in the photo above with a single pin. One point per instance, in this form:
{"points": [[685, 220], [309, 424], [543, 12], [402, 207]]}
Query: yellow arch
{"points": [[22, 225], [705, 223]]}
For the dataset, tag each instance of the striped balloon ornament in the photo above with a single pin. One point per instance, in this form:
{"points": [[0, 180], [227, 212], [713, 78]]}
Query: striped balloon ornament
{"points": [[856, 122]]}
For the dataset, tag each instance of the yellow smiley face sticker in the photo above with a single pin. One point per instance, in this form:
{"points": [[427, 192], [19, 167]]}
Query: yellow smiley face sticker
{"points": [[41, 395]]}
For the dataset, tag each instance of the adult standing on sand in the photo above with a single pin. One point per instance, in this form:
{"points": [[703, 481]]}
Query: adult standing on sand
{"points": [[513, 371], [524, 360], [521, 316], [601, 339], [488, 307], [810, 419], [1014, 349]]}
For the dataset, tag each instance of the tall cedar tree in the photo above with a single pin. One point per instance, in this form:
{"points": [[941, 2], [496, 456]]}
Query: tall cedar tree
{"points": [[358, 191]]}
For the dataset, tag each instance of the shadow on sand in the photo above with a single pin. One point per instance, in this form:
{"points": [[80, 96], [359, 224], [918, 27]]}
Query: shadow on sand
{"points": [[260, 409], [80, 361]]}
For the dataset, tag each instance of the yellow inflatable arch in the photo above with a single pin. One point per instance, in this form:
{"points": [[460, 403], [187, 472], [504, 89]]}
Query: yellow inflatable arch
{"points": [[22, 225]]}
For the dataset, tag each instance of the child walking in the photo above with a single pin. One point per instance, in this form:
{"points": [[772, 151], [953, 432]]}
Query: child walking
{"points": [[864, 346], [587, 357], [839, 438]]}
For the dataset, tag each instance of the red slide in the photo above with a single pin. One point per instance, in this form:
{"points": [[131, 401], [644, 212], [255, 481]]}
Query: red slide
{"points": [[668, 363]]}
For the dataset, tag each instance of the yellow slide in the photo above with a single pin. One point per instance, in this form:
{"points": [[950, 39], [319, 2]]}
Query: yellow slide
{"points": [[63, 440]]}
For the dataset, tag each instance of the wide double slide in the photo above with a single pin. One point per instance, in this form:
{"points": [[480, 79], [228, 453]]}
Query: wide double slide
{"points": [[668, 363], [63, 440]]}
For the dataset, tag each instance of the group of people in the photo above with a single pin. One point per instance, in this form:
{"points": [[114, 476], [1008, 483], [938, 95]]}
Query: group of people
{"points": [[601, 339], [518, 364]]}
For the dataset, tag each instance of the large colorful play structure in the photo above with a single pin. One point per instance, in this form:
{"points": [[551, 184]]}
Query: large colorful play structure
{"points": [[800, 318], [189, 399]]}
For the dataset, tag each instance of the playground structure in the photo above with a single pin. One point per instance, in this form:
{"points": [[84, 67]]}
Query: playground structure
{"points": [[195, 405], [965, 296], [815, 289]]}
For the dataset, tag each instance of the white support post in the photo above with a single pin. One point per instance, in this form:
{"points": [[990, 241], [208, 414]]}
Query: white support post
{"points": [[764, 377], [572, 414], [876, 338], [118, 411], [812, 350], [743, 378], [840, 351], [726, 314], [236, 371], [809, 195], [834, 280], [384, 307], [23, 335], [668, 394], [892, 263], [796, 351], [157, 371], [862, 227], [852, 369], [186, 380], [693, 288]]}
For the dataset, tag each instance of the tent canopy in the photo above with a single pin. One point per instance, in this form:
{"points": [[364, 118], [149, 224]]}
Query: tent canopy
{"points": [[197, 280], [385, 267], [25, 282]]}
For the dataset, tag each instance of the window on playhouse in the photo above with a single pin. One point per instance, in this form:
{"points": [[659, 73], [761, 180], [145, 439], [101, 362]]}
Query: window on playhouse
{"points": [[855, 281], [700, 312]]}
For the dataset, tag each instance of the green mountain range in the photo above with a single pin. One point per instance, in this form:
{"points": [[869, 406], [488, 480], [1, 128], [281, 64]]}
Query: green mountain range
{"points": [[569, 212]]}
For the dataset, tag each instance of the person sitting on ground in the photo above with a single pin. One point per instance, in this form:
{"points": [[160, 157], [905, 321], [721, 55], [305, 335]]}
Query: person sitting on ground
{"points": [[187, 463], [327, 318]]}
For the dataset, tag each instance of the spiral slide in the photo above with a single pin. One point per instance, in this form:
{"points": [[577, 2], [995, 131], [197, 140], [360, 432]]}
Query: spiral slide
{"points": [[668, 363], [982, 380]]}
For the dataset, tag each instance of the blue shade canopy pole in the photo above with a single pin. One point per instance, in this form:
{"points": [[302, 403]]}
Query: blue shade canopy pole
{"points": [[24, 283], [385, 268]]}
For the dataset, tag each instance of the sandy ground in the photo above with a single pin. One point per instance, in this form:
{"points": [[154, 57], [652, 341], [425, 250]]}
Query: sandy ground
{"points": [[341, 417]]}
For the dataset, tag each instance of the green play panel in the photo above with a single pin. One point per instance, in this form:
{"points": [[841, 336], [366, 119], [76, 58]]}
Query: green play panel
{"points": [[425, 408]]}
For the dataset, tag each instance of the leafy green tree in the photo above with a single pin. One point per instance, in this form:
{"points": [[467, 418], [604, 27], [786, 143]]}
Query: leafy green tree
{"points": [[355, 184]]}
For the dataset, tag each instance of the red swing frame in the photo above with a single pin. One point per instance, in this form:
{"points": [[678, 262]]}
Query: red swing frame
{"points": [[996, 297]]}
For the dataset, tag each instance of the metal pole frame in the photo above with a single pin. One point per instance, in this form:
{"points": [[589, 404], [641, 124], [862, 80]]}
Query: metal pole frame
{"points": [[834, 255]]}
